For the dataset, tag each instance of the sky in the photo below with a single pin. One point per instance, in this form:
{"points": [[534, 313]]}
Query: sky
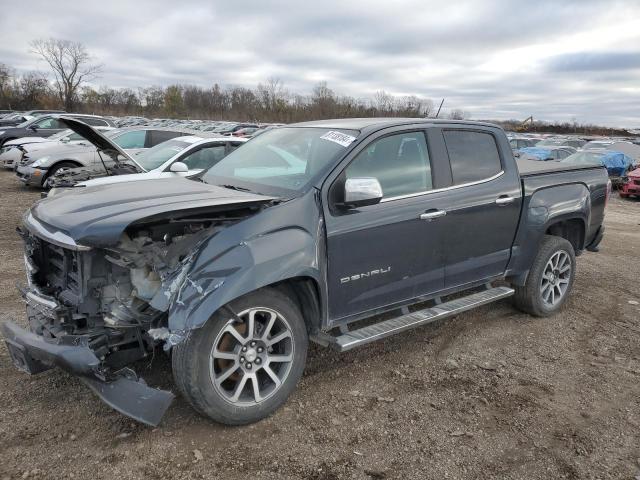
{"points": [[494, 59]]}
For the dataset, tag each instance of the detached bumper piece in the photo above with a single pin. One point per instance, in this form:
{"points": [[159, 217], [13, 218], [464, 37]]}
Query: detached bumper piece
{"points": [[125, 392]]}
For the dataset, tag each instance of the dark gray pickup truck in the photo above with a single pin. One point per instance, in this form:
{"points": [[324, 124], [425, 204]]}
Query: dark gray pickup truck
{"points": [[307, 232]]}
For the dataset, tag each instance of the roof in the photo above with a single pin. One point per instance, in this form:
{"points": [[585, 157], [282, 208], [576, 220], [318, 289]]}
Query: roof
{"points": [[375, 123]]}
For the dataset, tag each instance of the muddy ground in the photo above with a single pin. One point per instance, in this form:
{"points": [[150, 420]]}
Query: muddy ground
{"points": [[492, 394]]}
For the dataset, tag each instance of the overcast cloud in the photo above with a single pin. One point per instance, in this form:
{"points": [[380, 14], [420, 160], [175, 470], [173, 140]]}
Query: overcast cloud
{"points": [[555, 60]]}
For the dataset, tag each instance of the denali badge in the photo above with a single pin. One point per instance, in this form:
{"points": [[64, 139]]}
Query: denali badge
{"points": [[360, 276]]}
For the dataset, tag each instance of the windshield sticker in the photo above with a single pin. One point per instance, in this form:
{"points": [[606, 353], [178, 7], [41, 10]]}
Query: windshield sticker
{"points": [[339, 138]]}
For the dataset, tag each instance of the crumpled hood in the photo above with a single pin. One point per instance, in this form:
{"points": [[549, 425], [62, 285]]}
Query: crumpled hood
{"points": [[97, 216]]}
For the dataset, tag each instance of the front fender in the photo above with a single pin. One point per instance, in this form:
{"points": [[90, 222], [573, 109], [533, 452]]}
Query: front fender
{"points": [[216, 277]]}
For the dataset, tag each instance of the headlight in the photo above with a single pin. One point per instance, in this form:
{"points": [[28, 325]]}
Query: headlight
{"points": [[1, 132], [39, 162]]}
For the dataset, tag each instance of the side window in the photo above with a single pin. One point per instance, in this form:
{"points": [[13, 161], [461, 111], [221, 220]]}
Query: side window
{"points": [[399, 162], [204, 158], [134, 139], [473, 155], [159, 136], [49, 122]]}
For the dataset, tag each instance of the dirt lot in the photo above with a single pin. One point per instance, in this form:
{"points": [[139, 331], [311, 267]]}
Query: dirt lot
{"points": [[490, 394]]}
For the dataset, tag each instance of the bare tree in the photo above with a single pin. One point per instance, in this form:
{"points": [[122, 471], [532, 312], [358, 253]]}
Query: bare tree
{"points": [[71, 65]]}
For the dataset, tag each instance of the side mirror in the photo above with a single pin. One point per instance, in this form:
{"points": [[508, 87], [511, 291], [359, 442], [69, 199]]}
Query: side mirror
{"points": [[178, 167], [33, 127], [360, 192]]}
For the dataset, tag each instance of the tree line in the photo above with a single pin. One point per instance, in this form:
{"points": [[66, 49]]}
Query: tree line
{"points": [[269, 101]]}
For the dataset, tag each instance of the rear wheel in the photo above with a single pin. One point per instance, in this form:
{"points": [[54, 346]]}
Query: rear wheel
{"points": [[240, 368], [550, 279]]}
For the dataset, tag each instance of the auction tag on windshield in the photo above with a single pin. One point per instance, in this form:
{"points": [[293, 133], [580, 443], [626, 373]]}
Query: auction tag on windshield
{"points": [[339, 138]]}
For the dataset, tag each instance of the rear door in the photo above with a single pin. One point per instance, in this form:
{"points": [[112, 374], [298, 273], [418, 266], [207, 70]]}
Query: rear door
{"points": [[483, 205], [384, 254]]}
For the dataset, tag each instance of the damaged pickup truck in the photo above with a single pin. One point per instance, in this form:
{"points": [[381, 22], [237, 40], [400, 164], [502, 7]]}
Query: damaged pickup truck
{"points": [[308, 232]]}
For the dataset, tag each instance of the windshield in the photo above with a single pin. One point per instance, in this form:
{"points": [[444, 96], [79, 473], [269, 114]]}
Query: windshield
{"points": [[585, 158], [284, 158], [156, 156]]}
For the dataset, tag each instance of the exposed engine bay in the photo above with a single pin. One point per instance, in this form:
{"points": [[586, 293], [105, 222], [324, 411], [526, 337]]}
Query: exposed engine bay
{"points": [[68, 177], [110, 299]]}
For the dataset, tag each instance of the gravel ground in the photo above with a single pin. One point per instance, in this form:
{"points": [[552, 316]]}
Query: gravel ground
{"points": [[492, 393]]}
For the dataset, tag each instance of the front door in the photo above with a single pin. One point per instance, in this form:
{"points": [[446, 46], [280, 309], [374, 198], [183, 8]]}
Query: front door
{"points": [[382, 254]]}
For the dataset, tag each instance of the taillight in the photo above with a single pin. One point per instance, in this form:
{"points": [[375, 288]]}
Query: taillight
{"points": [[606, 199]]}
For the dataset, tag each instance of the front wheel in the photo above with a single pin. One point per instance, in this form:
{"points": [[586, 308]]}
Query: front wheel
{"points": [[245, 361], [550, 278]]}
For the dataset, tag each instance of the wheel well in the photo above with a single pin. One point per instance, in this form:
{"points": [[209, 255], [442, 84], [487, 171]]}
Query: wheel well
{"points": [[571, 230], [304, 291]]}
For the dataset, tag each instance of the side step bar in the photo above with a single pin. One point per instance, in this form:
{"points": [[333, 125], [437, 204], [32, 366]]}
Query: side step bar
{"points": [[355, 338]]}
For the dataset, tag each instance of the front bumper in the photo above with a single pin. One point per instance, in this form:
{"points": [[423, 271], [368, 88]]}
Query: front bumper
{"points": [[30, 175], [122, 391], [631, 187]]}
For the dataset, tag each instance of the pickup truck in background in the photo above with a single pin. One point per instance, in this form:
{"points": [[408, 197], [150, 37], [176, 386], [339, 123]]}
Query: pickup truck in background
{"points": [[307, 232]]}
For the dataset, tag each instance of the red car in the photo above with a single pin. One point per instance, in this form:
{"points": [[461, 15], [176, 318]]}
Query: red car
{"points": [[632, 185]]}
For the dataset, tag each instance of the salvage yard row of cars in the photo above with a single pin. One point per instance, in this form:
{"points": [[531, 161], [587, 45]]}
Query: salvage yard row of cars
{"points": [[42, 147], [620, 156]]}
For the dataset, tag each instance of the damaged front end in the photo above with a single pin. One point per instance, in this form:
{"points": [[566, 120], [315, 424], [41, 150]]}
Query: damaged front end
{"points": [[68, 177], [95, 311]]}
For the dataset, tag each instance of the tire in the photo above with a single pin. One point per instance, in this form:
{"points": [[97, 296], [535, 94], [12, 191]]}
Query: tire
{"points": [[203, 377], [535, 297], [55, 169]]}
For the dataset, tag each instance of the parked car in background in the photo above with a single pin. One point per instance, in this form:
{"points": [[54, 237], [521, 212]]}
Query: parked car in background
{"points": [[14, 119], [522, 142], [546, 153], [245, 132], [37, 168], [630, 185], [617, 163], [561, 141], [230, 129], [13, 150], [47, 125], [179, 157]]}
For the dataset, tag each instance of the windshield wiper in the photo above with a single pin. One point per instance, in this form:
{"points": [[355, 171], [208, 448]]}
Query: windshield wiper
{"points": [[235, 187]]}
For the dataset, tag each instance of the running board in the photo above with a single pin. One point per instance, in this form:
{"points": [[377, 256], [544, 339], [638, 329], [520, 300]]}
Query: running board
{"points": [[355, 338]]}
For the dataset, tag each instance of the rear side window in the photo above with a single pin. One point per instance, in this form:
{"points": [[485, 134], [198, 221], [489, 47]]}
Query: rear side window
{"points": [[206, 157], [134, 139], [399, 162], [159, 136], [473, 155]]}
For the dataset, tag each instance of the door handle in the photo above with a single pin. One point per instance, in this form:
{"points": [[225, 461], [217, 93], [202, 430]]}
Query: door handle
{"points": [[432, 214], [504, 200]]}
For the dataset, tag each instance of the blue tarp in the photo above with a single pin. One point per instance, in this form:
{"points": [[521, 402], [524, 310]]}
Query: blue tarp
{"points": [[617, 163], [537, 152]]}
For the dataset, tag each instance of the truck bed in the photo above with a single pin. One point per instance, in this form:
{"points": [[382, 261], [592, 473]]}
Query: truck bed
{"points": [[528, 168]]}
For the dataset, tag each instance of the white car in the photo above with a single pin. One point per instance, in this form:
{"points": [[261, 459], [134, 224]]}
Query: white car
{"points": [[179, 157], [11, 152]]}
